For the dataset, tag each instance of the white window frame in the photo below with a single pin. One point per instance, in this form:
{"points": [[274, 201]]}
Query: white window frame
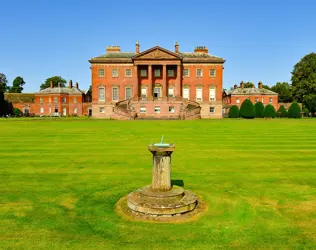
{"points": [[100, 94], [169, 71], [157, 109], [172, 109], [115, 73], [262, 99], [55, 99], [155, 73], [142, 110], [42, 110], [75, 111], [199, 70], [188, 71], [41, 100], [171, 92], [199, 90], [256, 99], [126, 97], [213, 70], [237, 100], [49, 110], [213, 110], [101, 73], [113, 97], [49, 99], [143, 72], [101, 110], [270, 100], [188, 93], [210, 94], [143, 90], [128, 74]]}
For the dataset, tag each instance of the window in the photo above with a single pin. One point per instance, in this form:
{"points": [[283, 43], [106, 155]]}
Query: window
{"points": [[256, 99], [199, 94], [157, 92], [42, 110], [142, 109], [55, 100], [115, 94], [170, 92], [212, 109], [262, 99], [212, 94], [186, 72], [128, 93], [144, 92], [186, 93], [143, 72], [26, 111], [64, 111], [270, 99], [101, 94], [212, 72], [171, 72], [56, 110], [199, 72], [237, 100], [157, 72], [50, 110], [75, 99], [171, 109], [157, 110], [49, 99], [114, 73], [41, 100], [75, 110], [64, 99], [128, 73], [101, 109], [101, 72]]}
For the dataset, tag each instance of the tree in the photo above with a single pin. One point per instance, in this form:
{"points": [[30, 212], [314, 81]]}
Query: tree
{"points": [[309, 102], [3, 83], [304, 77], [259, 109], [282, 112], [284, 90], [233, 112], [247, 109], [266, 87], [294, 111], [3, 88], [248, 85], [269, 111], [55, 80], [17, 112], [18, 82]]}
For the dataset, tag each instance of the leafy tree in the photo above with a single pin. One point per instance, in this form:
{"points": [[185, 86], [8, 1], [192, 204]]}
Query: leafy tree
{"points": [[266, 87], [55, 80], [294, 111], [259, 109], [3, 88], [3, 83], [284, 90], [17, 85], [269, 111], [247, 109], [233, 112], [309, 102], [17, 112], [282, 112], [304, 77], [248, 85]]}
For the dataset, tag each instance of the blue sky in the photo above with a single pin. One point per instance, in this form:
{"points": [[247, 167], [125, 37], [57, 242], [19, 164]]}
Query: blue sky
{"points": [[260, 40]]}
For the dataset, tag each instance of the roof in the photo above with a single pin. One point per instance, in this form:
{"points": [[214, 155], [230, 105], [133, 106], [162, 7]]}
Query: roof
{"points": [[19, 97], [251, 91], [60, 90], [128, 57]]}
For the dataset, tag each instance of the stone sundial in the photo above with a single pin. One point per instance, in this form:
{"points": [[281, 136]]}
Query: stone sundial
{"points": [[161, 198]]}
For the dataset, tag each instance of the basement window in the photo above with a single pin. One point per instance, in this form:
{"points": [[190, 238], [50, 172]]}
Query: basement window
{"points": [[212, 110], [157, 110], [142, 109]]}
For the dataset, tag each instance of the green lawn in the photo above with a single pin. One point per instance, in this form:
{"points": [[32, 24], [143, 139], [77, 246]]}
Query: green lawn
{"points": [[60, 181]]}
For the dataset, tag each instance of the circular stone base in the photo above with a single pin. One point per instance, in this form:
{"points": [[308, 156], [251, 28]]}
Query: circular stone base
{"points": [[173, 202]]}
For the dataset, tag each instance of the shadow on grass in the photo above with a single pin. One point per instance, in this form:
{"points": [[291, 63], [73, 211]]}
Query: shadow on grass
{"points": [[179, 183]]}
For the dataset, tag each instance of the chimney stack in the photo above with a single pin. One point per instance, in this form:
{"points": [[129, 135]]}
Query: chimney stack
{"points": [[51, 84], [70, 84], [252, 85], [242, 84], [137, 47], [77, 85], [113, 49], [201, 49], [235, 86], [260, 85], [59, 85], [176, 47]]}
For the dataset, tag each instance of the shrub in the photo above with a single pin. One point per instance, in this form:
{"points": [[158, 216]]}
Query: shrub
{"points": [[259, 109], [282, 112], [17, 112], [269, 111], [247, 110], [294, 111], [233, 112]]}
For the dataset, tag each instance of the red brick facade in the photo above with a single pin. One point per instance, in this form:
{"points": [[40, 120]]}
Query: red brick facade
{"points": [[156, 77]]}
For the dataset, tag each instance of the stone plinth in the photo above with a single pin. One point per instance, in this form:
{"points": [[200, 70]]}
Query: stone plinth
{"points": [[161, 198]]}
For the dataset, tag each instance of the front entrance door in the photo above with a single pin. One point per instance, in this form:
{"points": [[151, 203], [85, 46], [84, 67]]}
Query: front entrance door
{"points": [[157, 91]]}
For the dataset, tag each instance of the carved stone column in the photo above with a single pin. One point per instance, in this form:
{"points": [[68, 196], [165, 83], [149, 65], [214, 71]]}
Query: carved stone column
{"points": [[164, 81], [150, 84], [136, 89]]}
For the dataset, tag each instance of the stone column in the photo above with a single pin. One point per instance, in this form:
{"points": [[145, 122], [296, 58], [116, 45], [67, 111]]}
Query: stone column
{"points": [[161, 180], [178, 82], [164, 81], [150, 84], [136, 90]]}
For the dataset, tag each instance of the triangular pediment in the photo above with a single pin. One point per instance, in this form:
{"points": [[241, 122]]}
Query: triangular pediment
{"points": [[157, 53]]}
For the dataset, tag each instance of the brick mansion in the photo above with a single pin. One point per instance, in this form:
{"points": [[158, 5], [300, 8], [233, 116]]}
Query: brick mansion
{"points": [[153, 84]]}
